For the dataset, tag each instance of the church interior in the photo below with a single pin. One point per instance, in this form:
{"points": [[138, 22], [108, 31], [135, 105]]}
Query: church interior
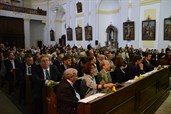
{"points": [[64, 36]]}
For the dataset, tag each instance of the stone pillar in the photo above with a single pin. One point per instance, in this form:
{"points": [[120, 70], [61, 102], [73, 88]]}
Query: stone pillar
{"points": [[27, 33]]}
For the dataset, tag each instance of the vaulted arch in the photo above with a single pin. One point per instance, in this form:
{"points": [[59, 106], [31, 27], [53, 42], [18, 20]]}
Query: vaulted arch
{"points": [[112, 36]]}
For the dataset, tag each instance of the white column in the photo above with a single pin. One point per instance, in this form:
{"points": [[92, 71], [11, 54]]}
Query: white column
{"points": [[27, 33], [129, 10]]}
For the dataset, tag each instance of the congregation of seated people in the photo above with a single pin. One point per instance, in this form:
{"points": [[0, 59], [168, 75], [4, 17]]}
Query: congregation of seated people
{"points": [[80, 72]]}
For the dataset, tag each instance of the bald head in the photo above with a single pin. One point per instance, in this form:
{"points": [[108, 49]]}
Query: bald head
{"points": [[105, 65]]}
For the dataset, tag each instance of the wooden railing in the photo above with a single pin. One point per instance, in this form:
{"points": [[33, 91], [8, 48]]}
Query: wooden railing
{"points": [[22, 9], [141, 97]]}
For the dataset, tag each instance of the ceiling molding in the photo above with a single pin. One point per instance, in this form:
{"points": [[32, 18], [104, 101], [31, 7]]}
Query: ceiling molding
{"points": [[79, 15], [130, 5], [59, 21], [35, 0], [108, 11], [148, 2]]}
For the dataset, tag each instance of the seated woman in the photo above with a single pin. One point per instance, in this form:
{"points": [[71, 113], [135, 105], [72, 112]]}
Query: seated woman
{"points": [[118, 76], [88, 84]]}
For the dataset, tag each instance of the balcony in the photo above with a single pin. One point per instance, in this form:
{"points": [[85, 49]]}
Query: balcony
{"points": [[22, 9]]}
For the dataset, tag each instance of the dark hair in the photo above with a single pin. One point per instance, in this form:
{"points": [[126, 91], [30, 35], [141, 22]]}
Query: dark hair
{"points": [[90, 58], [9, 52], [27, 56], [119, 61], [137, 57], [66, 57], [87, 68], [146, 54], [83, 60]]}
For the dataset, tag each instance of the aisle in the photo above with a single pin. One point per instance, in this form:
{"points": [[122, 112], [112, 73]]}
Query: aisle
{"points": [[6, 106], [165, 108]]}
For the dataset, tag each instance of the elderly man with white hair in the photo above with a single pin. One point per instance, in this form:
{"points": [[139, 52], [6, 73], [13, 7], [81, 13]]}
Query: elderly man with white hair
{"points": [[67, 96]]}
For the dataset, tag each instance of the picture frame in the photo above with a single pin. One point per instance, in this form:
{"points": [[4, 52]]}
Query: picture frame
{"points": [[52, 36], [79, 7], [128, 30], [148, 29], [78, 31], [88, 33], [69, 34], [167, 29]]}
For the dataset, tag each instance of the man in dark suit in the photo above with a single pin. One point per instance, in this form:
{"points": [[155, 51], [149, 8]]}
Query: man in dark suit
{"points": [[41, 75], [155, 58], [134, 68], [24, 70], [147, 66], [10, 66], [59, 61], [67, 96], [20, 58], [3, 50], [168, 48], [66, 64]]}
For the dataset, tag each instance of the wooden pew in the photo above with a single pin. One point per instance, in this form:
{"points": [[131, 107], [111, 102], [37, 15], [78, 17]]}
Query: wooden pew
{"points": [[49, 100], [28, 95], [141, 97], [16, 89]]}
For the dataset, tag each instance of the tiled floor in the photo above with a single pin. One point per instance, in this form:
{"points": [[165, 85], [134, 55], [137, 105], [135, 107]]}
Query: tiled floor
{"points": [[6, 106], [165, 108]]}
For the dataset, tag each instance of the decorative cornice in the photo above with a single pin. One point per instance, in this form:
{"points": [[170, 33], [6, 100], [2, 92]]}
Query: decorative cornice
{"points": [[35, 0], [130, 5], [26, 19], [148, 2], [108, 11], [43, 21], [59, 21], [79, 15], [148, 44]]}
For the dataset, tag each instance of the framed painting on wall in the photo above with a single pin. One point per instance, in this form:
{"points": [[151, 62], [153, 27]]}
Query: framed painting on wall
{"points": [[52, 36], [78, 31], [167, 29], [128, 31], [148, 29], [88, 33], [69, 34], [79, 7]]}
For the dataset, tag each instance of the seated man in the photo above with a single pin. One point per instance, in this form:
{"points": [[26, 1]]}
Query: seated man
{"points": [[67, 96], [41, 75], [66, 64], [23, 70], [147, 66]]}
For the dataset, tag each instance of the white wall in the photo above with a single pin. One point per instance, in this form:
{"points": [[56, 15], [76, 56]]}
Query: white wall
{"points": [[107, 15], [133, 13], [165, 12], [99, 21], [36, 32]]}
